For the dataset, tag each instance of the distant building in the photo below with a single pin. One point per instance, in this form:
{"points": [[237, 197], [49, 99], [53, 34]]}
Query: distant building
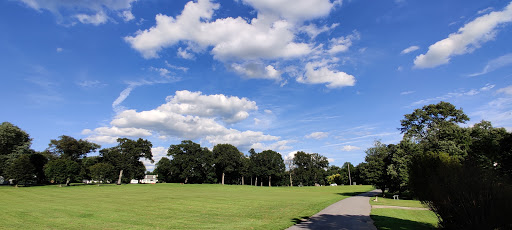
{"points": [[133, 181], [149, 179]]}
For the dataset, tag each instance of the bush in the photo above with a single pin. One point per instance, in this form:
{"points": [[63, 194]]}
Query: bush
{"points": [[463, 195]]}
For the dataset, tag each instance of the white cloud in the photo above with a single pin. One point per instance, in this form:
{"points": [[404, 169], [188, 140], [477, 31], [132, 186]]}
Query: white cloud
{"points": [[506, 90], [162, 71], [348, 148], [184, 69], [495, 64], [90, 12], [317, 135], [96, 19], [127, 15], [183, 53], [312, 30], [465, 40], [59, 49], [320, 73], [256, 70], [294, 10], [410, 49], [342, 44], [497, 111], [231, 38], [190, 115]]}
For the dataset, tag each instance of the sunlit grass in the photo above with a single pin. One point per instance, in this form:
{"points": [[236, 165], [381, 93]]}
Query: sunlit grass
{"points": [[164, 206]]}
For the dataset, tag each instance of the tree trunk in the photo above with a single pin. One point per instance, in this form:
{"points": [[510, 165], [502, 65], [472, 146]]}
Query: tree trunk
{"points": [[251, 180], [186, 180], [261, 185], [223, 178], [269, 179], [243, 180], [120, 177], [67, 182], [291, 182], [256, 183], [349, 178]]}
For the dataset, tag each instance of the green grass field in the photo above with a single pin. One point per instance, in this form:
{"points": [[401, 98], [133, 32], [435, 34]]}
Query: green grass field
{"points": [[164, 206], [390, 219]]}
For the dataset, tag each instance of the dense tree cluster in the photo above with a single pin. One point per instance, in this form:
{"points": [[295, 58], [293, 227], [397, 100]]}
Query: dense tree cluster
{"points": [[464, 174], [66, 160]]}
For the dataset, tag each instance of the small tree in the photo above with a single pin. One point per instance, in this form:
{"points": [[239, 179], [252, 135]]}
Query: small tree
{"points": [[21, 170], [62, 170], [102, 172]]}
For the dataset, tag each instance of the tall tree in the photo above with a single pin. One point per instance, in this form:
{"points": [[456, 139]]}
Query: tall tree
{"points": [[191, 163], [62, 171], [71, 148], [12, 138], [164, 170], [21, 170], [227, 160], [272, 164], [14, 142], [126, 157], [311, 168], [375, 172]]}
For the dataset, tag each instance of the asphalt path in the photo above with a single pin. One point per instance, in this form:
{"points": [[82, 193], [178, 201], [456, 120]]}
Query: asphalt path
{"points": [[351, 213]]}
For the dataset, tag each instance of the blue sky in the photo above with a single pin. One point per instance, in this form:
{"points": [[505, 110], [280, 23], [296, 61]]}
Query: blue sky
{"points": [[319, 76]]}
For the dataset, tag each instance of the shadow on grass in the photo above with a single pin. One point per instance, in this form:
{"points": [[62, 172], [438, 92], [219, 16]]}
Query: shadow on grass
{"points": [[359, 193], [300, 219], [391, 223], [326, 221]]}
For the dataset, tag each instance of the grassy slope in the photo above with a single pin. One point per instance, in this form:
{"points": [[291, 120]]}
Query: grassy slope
{"points": [[388, 218], [164, 206]]}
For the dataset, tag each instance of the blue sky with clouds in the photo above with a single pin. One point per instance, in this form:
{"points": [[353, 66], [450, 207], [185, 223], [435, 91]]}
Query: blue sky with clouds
{"points": [[322, 76]]}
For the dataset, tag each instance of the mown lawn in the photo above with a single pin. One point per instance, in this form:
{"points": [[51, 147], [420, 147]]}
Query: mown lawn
{"points": [[164, 206], [403, 219]]}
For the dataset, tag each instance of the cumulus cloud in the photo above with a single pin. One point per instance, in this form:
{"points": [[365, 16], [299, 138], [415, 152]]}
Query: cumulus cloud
{"points": [[495, 64], [231, 38], [190, 115], [468, 38], [302, 10], [348, 148], [317, 135], [410, 49], [320, 73], [87, 12], [312, 30]]}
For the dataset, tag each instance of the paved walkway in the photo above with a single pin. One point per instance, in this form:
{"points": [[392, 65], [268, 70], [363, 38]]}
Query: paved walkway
{"points": [[350, 213]]}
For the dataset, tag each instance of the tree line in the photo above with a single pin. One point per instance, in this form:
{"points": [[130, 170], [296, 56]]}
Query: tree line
{"points": [[66, 160], [463, 174]]}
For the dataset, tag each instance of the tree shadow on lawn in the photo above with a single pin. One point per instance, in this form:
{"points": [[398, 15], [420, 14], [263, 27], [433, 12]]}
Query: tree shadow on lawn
{"points": [[359, 193], [391, 223], [327, 221]]}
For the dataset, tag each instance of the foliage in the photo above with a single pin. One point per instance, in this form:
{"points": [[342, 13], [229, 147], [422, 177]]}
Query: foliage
{"points": [[164, 170], [61, 171], [334, 179], [71, 148], [21, 170], [102, 172], [190, 206], [12, 138], [38, 161], [227, 160], [191, 163], [126, 156], [310, 168]]}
